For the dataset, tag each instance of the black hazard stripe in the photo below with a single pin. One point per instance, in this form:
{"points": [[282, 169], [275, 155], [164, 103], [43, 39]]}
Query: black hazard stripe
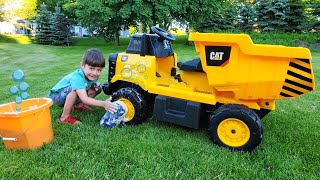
{"points": [[295, 83], [302, 68], [298, 84], [285, 95], [292, 90], [304, 60], [299, 76]]}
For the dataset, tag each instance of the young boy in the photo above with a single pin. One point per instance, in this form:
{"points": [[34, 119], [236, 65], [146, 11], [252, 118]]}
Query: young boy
{"points": [[77, 90]]}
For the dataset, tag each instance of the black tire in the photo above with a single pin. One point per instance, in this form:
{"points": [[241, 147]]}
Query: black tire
{"points": [[235, 127], [137, 106]]}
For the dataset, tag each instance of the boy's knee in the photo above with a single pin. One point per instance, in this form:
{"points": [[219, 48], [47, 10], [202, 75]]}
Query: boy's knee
{"points": [[73, 93]]}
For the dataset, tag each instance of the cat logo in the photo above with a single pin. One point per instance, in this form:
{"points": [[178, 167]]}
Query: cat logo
{"points": [[217, 55]]}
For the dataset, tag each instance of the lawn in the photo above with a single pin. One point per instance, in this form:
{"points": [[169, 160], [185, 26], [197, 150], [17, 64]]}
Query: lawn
{"points": [[153, 150]]}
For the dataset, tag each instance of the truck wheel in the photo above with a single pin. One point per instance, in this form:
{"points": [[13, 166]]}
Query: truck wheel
{"points": [[135, 103], [235, 127]]}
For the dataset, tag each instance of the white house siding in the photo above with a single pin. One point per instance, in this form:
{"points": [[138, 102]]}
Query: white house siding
{"points": [[10, 28], [7, 28]]}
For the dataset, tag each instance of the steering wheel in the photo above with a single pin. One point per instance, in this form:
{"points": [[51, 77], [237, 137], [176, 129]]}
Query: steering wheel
{"points": [[163, 33]]}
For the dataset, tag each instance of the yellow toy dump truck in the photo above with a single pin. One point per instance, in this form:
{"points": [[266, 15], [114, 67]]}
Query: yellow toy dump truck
{"points": [[229, 88]]}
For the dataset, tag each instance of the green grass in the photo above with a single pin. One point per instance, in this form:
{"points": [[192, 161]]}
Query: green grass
{"points": [[287, 39], [154, 150]]}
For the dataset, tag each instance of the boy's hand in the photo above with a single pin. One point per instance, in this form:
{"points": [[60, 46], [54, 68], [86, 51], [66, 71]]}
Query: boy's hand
{"points": [[109, 106]]}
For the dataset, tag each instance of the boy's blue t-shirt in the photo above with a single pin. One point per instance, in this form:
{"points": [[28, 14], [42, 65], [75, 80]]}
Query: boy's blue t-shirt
{"points": [[76, 79]]}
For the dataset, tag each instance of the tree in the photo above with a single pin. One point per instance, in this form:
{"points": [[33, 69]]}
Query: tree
{"points": [[27, 9], [52, 28], [315, 11], [271, 14], [69, 10], [230, 16], [202, 15], [281, 15], [68, 7], [17, 9], [295, 16], [106, 18], [60, 25], [247, 16], [52, 4], [164, 12], [43, 31], [1, 10]]}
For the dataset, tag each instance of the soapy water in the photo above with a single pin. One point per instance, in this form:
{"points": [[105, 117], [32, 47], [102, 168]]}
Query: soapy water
{"points": [[33, 107], [18, 76]]}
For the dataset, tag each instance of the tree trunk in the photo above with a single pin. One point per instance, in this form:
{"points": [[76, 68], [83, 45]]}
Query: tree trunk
{"points": [[188, 43], [150, 31], [166, 25], [117, 41]]}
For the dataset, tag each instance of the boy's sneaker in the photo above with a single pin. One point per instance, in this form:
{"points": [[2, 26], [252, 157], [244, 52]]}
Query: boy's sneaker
{"points": [[69, 120]]}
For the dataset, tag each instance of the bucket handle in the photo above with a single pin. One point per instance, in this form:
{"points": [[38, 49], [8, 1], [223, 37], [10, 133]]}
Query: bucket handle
{"points": [[9, 139], [16, 139]]}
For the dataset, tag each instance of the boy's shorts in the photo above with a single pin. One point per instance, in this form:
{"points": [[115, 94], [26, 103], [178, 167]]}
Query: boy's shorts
{"points": [[60, 98]]}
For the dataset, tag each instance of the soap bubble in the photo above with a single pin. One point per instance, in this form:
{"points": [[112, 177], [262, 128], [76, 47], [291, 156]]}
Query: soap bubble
{"points": [[18, 75], [24, 95], [126, 73], [23, 86], [18, 100], [13, 90], [142, 68], [18, 108]]}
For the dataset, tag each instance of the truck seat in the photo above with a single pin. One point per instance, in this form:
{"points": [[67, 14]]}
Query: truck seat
{"points": [[191, 65]]}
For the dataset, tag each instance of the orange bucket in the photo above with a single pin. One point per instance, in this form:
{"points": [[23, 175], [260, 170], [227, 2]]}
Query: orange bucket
{"points": [[28, 128]]}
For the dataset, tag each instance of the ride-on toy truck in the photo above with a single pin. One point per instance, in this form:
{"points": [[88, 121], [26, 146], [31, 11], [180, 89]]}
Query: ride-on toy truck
{"points": [[229, 88]]}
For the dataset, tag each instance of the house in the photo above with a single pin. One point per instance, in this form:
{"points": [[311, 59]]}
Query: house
{"points": [[25, 27], [7, 28], [18, 27], [29, 27], [79, 31], [82, 32]]}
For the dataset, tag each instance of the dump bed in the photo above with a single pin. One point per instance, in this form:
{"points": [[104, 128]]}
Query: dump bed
{"points": [[233, 63]]}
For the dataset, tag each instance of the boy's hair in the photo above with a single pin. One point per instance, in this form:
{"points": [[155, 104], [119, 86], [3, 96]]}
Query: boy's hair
{"points": [[93, 57]]}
